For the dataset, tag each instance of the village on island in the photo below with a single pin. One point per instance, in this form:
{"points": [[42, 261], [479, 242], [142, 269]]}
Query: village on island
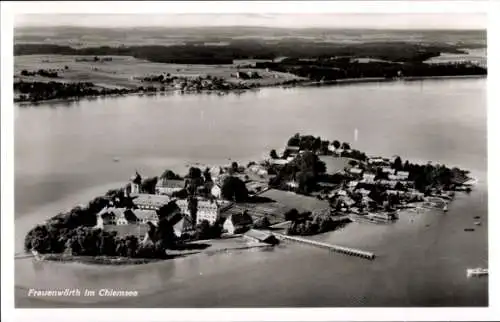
{"points": [[310, 187]]}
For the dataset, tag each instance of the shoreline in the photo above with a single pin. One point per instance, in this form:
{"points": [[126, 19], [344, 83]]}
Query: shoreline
{"points": [[298, 84]]}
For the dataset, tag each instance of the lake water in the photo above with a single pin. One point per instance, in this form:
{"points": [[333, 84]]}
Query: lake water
{"points": [[64, 154]]}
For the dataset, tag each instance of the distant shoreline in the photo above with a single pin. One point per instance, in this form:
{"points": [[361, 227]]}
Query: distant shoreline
{"points": [[299, 83]]}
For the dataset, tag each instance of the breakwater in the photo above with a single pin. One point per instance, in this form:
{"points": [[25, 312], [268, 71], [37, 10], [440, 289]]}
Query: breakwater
{"points": [[334, 248]]}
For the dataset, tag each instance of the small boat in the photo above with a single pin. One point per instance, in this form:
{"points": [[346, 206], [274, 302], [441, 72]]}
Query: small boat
{"points": [[477, 272], [477, 223], [469, 229], [445, 208], [116, 159]]}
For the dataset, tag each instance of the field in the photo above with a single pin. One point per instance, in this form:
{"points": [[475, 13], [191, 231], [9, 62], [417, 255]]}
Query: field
{"points": [[293, 200], [334, 164], [121, 71]]}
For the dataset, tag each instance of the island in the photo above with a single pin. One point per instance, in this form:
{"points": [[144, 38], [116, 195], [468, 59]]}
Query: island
{"points": [[312, 186]]}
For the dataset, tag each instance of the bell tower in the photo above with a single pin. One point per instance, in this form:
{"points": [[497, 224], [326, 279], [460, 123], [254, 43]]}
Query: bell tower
{"points": [[135, 183]]}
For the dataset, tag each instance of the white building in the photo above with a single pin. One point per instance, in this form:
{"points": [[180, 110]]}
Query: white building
{"points": [[209, 210], [216, 191], [356, 170], [388, 170], [237, 223]]}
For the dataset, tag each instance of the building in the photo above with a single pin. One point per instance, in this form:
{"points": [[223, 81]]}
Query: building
{"points": [[379, 161], [135, 183], [368, 177], [216, 191], [168, 187], [388, 170], [403, 175], [278, 161], [209, 210], [150, 202], [356, 171], [237, 223], [123, 216]]}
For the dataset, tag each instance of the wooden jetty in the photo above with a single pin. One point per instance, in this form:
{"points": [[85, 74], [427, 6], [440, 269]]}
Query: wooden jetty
{"points": [[333, 248]]}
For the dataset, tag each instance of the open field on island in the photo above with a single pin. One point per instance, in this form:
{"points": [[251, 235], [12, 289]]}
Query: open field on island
{"points": [[121, 71], [334, 164]]}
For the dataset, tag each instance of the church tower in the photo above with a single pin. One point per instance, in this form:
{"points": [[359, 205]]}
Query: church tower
{"points": [[135, 183]]}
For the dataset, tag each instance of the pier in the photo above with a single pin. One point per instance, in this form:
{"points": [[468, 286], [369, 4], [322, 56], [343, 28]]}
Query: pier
{"points": [[333, 248]]}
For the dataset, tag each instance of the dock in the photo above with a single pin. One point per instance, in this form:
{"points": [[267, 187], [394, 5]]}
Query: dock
{"points": [[334, 248]]}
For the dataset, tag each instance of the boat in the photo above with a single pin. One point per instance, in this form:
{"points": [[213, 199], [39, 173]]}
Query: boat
{"points": [[477, 223], [445, 208], [116, 159], [477, 272], [469, 229]]}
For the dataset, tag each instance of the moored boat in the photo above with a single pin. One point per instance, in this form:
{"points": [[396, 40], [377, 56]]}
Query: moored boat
{"points": [[477, 272]]}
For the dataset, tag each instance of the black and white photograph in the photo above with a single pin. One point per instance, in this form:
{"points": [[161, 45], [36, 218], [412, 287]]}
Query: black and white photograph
{"points": [[248, 159]]}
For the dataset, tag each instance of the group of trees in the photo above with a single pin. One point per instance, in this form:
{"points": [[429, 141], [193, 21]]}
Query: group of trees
{"points": [[306, 223], [305, 169], [40, 72], [295, 49], [333, 69], [39, 91]]}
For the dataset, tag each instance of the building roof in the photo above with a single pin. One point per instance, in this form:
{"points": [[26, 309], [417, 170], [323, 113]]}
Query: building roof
{"points": [[293, 148], [240, 219], [149, 215], [166, 183], [143, 199]]}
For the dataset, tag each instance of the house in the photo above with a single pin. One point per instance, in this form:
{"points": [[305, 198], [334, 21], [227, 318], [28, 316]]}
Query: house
{"points": [[352, 184], [364, 192], [151, 202], [292, 184], [356, 171], [388, 170], [403, 175], [168, 187], [378, 161], [258, 169], [369, 177], [237, 223], [183, 226], [278, 161], [216, 191]]}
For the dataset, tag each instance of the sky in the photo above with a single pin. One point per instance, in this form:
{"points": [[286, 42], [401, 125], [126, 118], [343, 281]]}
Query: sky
{"points": [[377, 21]]}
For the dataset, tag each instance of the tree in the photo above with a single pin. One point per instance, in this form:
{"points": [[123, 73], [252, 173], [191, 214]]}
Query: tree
{"points": [[273, 154], [292, 214], [207, 175], [398, 164], [294, 140], [336, 144], [170, 175], [234, 166], [262, 222], [346, 146], [148, 185], [234, 189], [193, 207]]}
